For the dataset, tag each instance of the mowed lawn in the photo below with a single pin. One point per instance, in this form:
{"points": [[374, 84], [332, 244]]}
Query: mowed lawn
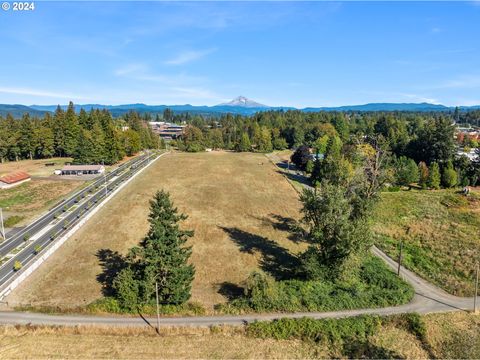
{"points": [[238, 205], [440, 231]]}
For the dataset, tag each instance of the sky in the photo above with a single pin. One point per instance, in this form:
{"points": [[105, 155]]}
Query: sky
{"points": [[278, 53]]}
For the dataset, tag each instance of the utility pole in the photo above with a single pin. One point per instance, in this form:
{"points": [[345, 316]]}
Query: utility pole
{"points": [[105, 178], [158, 309], [3, 228], [476, 291], [400, 258]]}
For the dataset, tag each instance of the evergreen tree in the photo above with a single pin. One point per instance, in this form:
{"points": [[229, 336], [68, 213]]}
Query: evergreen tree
{"points": [[406, 171], [59, 125], [434, 176], [13, 138], [71, 130], [98, 146], [83, 152], [162, 258], [244, 144], [216, 139], [27, 137], [449, 176]]}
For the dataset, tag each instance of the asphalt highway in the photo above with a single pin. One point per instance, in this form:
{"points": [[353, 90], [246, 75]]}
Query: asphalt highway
{"points": [[57, 222]]}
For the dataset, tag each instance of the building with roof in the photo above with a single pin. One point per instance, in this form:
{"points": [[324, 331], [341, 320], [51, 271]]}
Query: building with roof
{"points": [[167, 131], [14, 179], [82, 170]]}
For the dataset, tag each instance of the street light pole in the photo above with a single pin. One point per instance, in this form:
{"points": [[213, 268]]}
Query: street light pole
{"points": [[105, 178], [3, 228]]}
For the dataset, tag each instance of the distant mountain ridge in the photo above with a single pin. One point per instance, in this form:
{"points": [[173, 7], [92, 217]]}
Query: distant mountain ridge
{"points": [[240, 105]]}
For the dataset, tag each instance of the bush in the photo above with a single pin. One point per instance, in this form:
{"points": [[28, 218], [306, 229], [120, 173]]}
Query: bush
{"points": [[375, 286], [113, 306], [12, 221], [17, 265], [325, 330], [348, 337]]}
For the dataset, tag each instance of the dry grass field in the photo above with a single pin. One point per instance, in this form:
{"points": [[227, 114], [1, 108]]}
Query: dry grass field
{"points": [[111, 343], [34, 167], [452, 335], [30, 199], [22, 203], [238, 206]]}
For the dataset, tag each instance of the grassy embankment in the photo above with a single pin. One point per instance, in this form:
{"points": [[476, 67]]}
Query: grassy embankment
{"points": [[241, 210], [440, 233]]}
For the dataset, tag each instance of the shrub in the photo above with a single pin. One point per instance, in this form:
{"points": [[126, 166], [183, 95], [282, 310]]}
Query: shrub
{"points": [[17, 265], [325, 330], [37, 249], [13, 220], [375, 286]]}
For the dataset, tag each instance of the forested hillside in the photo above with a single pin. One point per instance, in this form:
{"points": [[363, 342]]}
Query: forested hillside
{"points": [[92, 137]]}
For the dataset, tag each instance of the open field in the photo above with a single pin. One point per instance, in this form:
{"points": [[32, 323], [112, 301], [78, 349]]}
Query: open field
{"points": [[238, 205], [110, 343], [23, 202], [440, 232], [454, 335], [34, 167]]}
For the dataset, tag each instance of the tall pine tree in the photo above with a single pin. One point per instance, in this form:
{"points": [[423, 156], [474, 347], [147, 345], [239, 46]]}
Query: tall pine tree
{"points": [[162, 258]]}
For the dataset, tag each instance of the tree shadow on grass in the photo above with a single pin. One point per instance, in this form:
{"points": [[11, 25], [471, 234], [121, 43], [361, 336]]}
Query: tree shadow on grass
{"points": [[276, 260], [296, 177], [112, 263], [287, 224], [230, 290]]}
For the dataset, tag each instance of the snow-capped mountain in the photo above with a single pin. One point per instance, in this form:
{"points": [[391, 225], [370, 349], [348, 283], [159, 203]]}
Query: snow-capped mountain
{"points": [[244, 102]]}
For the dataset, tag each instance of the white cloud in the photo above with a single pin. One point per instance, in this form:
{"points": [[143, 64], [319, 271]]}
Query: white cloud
{"points": [[435, 30], [420, 98], [188, 56], [40, 93]]}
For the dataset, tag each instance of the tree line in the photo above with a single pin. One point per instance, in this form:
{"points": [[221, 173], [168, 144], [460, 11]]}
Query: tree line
{"points": [[424, 139], [89, 137]]}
